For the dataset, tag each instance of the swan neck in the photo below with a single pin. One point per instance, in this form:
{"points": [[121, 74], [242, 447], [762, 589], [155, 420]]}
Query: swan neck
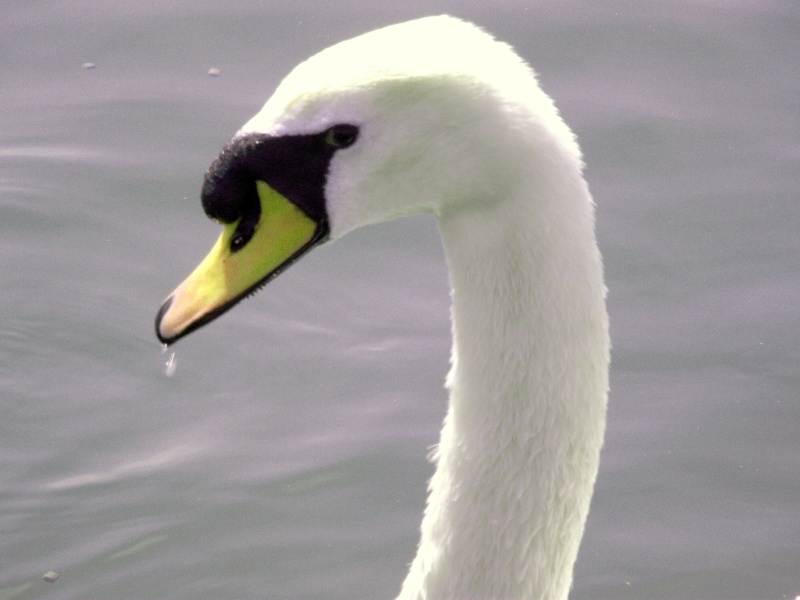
{"points": [[519, 449]]}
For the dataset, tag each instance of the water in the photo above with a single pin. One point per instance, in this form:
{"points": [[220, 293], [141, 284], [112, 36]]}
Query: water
{"points": [[286, 457]]}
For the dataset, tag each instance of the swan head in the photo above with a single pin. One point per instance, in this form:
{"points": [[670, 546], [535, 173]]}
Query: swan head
{"points": [[424, 116]]}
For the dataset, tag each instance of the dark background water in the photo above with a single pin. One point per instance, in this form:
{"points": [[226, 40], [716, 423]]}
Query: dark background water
{"points": [[286, 456]]}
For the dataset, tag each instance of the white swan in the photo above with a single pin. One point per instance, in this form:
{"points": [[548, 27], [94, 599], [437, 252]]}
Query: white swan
{"points": [[435, 116]]}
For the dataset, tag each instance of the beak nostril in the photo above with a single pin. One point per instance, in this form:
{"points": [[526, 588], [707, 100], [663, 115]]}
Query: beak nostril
{"points": [[240, 237], [251, 214]]}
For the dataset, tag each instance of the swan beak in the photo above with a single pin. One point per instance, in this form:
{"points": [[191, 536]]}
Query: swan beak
{"points": [[283, 233]]}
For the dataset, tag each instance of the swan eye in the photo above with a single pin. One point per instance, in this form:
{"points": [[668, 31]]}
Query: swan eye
{"points": [[341, 136]]}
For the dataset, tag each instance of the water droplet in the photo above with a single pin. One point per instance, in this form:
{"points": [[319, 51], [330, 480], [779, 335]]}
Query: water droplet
{"points": [[170, 365]]}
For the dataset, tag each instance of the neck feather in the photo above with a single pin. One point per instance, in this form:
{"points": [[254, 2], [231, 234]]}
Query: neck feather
{"points": [[519, 449]]}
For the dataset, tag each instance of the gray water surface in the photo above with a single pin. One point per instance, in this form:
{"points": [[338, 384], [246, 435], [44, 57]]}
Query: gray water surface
{"points": [[286, 456]]}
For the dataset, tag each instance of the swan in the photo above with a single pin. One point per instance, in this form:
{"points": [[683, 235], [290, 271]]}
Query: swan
{"points": [[436, 116]]}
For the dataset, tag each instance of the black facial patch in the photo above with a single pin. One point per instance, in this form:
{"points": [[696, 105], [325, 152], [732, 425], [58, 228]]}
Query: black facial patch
{"points": [[295, 166]]}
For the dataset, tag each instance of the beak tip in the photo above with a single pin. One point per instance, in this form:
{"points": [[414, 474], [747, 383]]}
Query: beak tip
{"points": [[164, 339]]}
